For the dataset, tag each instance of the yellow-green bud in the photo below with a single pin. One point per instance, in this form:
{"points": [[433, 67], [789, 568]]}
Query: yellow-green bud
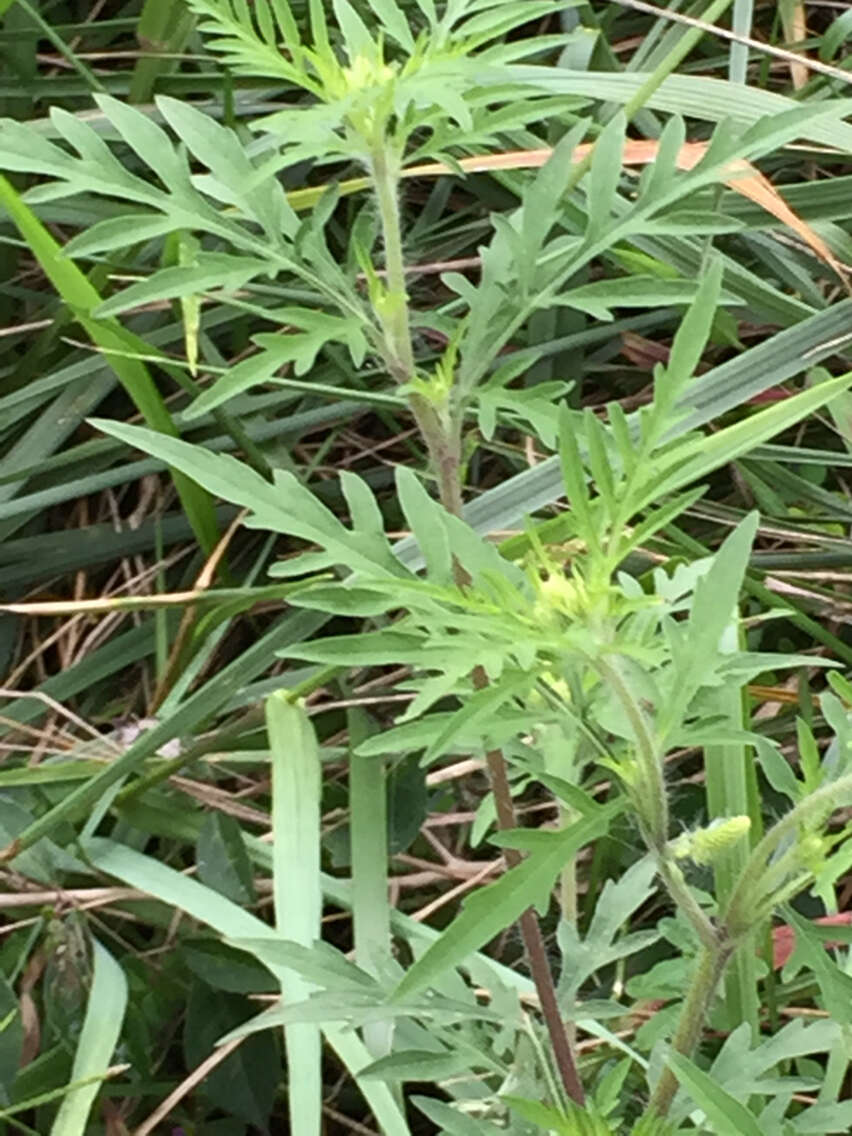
{"points": [[705, 845], [559, 596], [812, 849], [366, 72]]}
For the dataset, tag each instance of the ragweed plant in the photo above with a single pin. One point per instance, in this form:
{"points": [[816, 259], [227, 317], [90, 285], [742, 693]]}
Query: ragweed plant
{"points": [[556, 659], [627, 673]]}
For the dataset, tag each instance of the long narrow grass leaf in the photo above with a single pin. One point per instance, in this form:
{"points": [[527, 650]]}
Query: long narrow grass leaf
{"points": [[82, 298], [96, 1044], [296, 787]]}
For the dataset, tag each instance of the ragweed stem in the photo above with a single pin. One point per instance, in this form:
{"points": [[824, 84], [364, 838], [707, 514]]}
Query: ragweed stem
{"points": [[711, 966], [439, 427]]}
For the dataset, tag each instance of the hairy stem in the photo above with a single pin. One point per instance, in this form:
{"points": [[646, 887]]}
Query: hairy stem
{"points": [[711, 967], [750, 903], [531, 932], [751, 888], [440, 430], [650, 793], [442, 438], [393, 314], [678, 889], [717, 948], [755, 893], [651, 803]]}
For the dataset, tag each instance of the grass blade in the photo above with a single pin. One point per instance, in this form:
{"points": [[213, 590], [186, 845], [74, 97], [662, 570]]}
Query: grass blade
{"points": [[82, 297], [719, 390], [740, 25], [712, 100], [368, 834], [732, 790], [163, 29], [98, 1039], [206, 701], [296, 800], [231, 922]]}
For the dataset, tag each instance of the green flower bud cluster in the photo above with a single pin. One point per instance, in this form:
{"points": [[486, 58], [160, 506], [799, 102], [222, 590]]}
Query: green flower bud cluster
{"points": [[706, 845], [811, 851], [366, 73], [559, 597]]}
